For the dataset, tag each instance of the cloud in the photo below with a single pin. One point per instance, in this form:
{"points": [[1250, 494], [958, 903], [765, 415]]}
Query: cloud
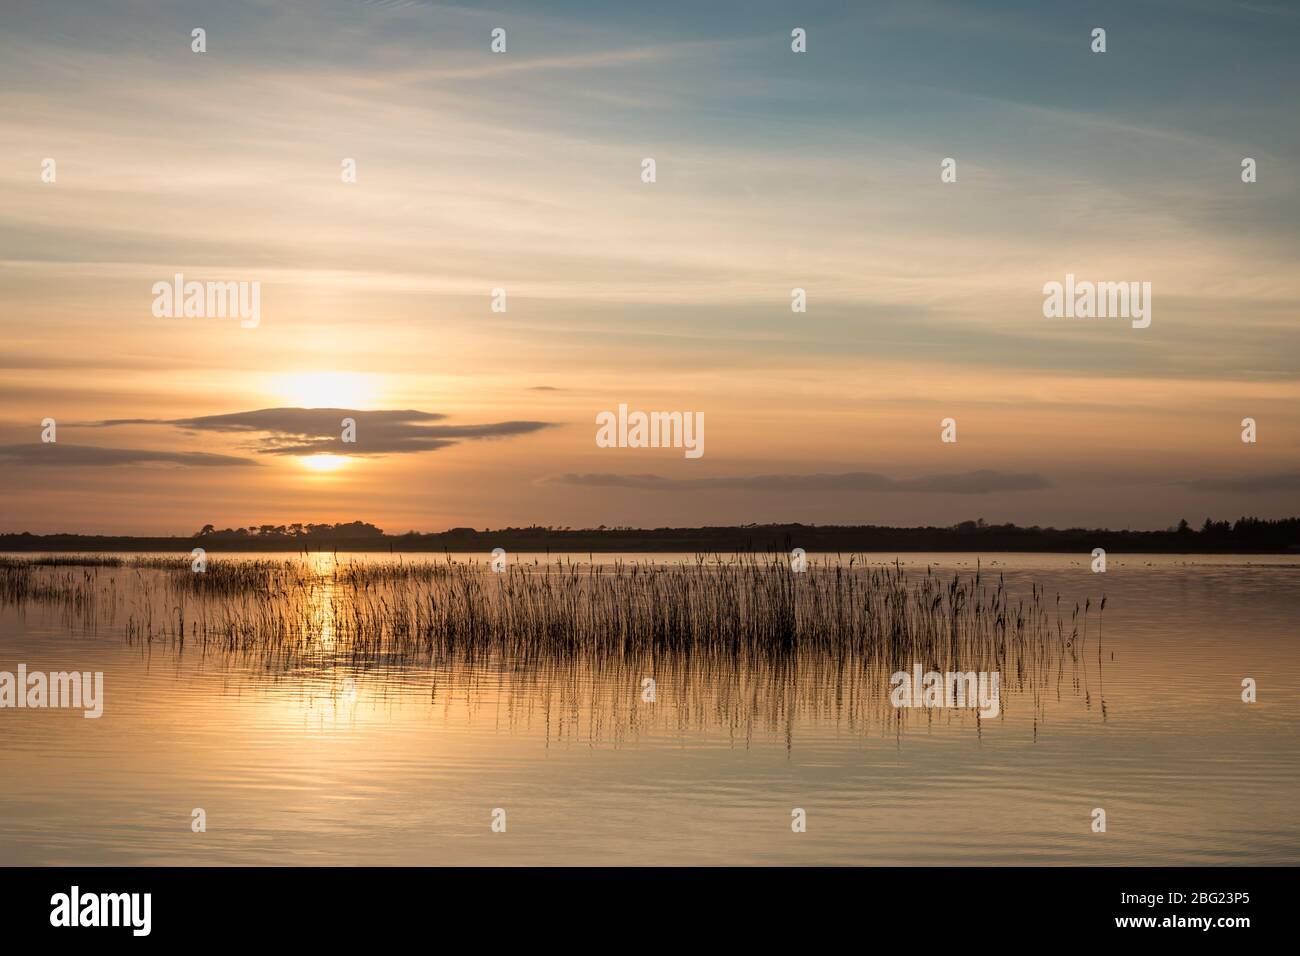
{"points": [[312, 431], [965, 483], [505, 66], [62, 454], [1287, 481]]}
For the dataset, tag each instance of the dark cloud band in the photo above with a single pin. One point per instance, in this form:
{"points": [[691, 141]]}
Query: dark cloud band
{"points": [[313, 431], [61, 454], [967, 483]]}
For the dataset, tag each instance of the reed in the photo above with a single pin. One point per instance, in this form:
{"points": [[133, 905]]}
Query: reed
{"points": [[737, 640], [397, 610]]}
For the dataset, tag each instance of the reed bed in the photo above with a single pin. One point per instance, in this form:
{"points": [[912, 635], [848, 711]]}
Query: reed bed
{"points": [[721, 615]]}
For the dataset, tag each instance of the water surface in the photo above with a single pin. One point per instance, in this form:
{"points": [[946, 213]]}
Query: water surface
{"points": [[315, 759]]}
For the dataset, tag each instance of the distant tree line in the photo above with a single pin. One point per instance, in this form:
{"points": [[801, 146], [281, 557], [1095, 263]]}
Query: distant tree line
{"points": [[348, 530], [1243, 536]]}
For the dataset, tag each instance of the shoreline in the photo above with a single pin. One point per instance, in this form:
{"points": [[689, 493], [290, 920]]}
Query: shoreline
{"points": [[734, 541]]}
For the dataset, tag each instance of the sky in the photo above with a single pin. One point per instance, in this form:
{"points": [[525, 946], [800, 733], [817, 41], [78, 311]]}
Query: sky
{"points": [[523, 171]]}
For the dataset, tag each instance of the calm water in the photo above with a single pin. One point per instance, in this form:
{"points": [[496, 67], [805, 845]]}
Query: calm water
{"points": [[399, 762]]}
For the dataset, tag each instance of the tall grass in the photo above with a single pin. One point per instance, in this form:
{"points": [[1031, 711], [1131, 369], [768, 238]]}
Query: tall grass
{"points": [[734, 618]]}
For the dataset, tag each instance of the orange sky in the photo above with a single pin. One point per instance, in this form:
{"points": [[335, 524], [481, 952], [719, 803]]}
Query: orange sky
{"points": [[523, 171]]}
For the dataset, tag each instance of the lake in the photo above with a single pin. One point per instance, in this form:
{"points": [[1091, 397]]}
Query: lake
{"points": [[353, 711]]}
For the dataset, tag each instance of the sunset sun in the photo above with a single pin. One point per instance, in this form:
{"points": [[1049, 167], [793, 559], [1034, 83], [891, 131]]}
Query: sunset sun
{"points": [[325, 389], [323, 463]]}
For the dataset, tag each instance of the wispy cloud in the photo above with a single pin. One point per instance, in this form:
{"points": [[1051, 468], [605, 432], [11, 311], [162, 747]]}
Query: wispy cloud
{"points": [[1287, 481], [502, 66], [980, 482], [311, 431], [60, 454]]}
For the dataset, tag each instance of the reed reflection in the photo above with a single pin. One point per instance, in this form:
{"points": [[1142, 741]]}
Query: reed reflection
{"points": [[733, 642]]}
